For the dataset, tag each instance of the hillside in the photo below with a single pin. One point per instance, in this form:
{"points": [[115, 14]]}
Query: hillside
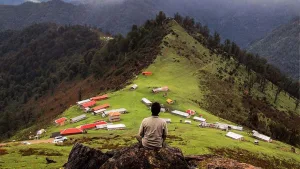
{"points": [[45, 68], [198, 79], [281, 47], [240, 21]]}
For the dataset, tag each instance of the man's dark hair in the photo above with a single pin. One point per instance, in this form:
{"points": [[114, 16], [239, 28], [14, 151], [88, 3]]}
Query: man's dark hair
{"points": [[155, 109]]}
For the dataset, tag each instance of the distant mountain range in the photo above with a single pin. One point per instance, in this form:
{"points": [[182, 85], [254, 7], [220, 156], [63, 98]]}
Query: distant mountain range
{"points": [[241, 21], [281, 47]]}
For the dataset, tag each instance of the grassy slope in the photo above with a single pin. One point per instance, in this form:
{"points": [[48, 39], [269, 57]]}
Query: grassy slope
{"points": [[183, 80]]}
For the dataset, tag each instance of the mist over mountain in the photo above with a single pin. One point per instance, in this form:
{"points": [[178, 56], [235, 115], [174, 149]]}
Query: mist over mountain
{"points": [[281, 47], [242, 21]]}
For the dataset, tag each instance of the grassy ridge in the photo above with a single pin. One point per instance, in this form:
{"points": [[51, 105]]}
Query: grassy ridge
{"points": [[183, 73]]}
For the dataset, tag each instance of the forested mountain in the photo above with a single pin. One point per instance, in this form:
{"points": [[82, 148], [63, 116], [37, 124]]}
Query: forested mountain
{"points": [[281, 47], [241, 21], [34, 61], [46, 67]]}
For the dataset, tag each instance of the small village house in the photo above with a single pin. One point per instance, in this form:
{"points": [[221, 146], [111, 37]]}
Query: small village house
{"points": [[134, 87], [60, 121], [101, 124], [146, 102], [169, 101], [261, 136], [88, 104], [121, 110], [99, 98], [114, 116], [147, 73], [188, 121], [78, 118], [180, 113], [116, 126], [82, 102], [235, 136], [191, 112], [104, 106], [71, 131], [99, 111], [200, 119], [160, 89]]}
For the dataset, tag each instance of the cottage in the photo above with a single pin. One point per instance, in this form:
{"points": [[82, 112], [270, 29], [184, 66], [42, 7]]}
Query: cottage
{"points": [[40, 132], [88, 104], [235, 136], [121, 110], [161, 89], [191, 112], [227, 126], [71, 131], [133, 87], [114, 116], [101, 124], [147, 73], [88, 126], [104, 106], [82, 102], [199, 119], [146, 102], [188, 121], [169, 101], [167, 120], [180, 113], [78, 118], [99, 111], [98, 98], [261, 136], [116, 126], [60, 121]]}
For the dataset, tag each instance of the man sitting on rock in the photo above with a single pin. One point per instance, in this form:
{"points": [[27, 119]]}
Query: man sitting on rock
{"points": [[153, 130]]}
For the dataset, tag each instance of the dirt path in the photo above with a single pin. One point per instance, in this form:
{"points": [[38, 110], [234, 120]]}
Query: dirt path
{"points": [[30, 141]]}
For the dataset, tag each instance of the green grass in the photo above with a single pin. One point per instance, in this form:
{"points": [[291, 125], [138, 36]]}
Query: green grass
{"points": [[182, 78]]}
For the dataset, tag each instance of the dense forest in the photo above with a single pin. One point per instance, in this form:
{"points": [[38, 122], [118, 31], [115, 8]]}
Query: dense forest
{"points": [[35, 60], [262, 116], [281, 47]]}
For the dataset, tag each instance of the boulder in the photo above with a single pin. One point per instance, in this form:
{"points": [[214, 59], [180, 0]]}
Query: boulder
{"points": [[83, 157], [137, 158], [133, 157]]}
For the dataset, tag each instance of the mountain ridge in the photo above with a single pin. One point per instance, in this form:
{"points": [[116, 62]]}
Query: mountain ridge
{"points": [[281, 47], [238, 21]]}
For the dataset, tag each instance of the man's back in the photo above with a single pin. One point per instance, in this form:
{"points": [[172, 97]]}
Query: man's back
{"points": [[153, 131]]}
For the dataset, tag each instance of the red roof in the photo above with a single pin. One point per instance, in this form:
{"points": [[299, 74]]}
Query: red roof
{"points": [[147, 73], [71, 131], [104, 106], [88, 104], [100, 122], [98, 98], [191, 112], [60, 120], [112, 114], [88, 126]]}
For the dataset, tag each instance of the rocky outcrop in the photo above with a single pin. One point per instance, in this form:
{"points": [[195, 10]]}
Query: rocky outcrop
{"points": [[83, 157], [134, 157]]}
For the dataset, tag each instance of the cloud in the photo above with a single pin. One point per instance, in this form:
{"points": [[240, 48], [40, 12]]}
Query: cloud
{"points": [[35, 1]]}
